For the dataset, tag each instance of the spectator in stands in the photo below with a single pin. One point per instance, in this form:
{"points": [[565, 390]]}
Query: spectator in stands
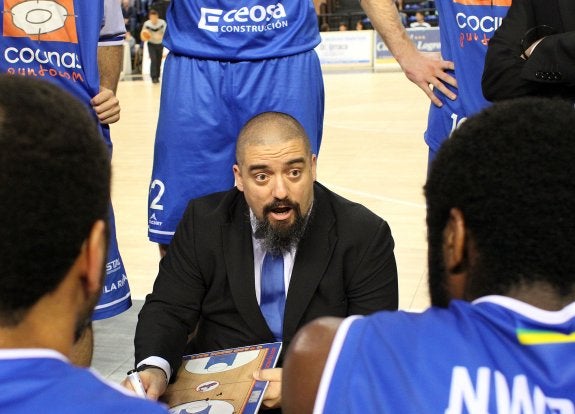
{"points": [[161, 6], [419, 22], [359, 25], [499, 336], [130, 42], [142, 7], [130, 17], [153, 32], [343, 27], [324, 27], [402, 14]]}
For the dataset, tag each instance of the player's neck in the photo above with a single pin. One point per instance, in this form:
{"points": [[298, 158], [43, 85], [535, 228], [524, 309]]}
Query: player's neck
{"points": [[43, 326], [542, 295]]}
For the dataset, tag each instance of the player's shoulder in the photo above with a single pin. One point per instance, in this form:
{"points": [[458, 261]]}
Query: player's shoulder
{"points": [[115, 398], [93, 393]]}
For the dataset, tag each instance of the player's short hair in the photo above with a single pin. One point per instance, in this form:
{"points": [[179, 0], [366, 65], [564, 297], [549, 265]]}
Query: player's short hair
{"points": [[54, 185], [510, 170], [153, 12], [253, 132]]}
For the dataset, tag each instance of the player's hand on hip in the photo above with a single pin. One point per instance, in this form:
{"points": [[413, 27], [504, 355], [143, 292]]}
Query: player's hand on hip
{"points": [[154, 382], [106, 105], [272, 397], [429, 73]]}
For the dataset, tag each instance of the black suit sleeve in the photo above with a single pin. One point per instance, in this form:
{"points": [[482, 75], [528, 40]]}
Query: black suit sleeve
{"points": [[550, 67], [373, 284], [553, 60], [172, 310], [503, 62]]}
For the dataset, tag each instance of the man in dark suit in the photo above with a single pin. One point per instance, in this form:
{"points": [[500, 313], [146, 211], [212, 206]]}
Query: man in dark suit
{"points": [[533, 52], [337, 259]]}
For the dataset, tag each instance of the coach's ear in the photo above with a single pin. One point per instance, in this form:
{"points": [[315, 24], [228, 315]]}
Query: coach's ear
{"points": [[314, 167], [238, 177], [454, 254]]}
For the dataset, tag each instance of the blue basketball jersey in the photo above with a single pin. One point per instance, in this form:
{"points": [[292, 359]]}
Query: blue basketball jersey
{"points": [[232, 31], [465, 29], [42, 381], [61, 47], [496, 355], [58, 41]]}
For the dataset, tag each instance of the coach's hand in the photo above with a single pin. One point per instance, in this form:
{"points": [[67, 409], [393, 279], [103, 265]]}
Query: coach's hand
{"points": [[154, 381]]}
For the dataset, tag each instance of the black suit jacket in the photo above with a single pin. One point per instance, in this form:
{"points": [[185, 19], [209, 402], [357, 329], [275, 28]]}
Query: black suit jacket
{"points": [[344, 265], [550, 71]]}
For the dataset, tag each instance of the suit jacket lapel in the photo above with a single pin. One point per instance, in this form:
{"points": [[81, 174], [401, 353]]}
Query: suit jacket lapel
{"points": [[312, 257], [239, 258]]}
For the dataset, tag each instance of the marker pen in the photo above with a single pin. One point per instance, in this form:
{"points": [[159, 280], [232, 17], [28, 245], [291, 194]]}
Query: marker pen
{"points": [[136, 382]]}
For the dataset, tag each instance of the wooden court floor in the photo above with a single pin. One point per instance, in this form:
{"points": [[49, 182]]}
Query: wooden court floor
{"points": [[372, 152]]}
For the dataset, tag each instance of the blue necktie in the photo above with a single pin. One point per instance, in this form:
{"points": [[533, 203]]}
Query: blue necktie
{"points": [[272, 301]]}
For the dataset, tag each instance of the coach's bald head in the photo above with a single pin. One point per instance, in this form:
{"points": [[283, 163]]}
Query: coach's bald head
{"points": [[270, 128]]}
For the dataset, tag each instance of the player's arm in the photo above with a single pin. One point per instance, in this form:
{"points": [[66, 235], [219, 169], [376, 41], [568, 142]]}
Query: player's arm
{"points": [[426, 72], [110, 57], [105, 103], [304, 364]]}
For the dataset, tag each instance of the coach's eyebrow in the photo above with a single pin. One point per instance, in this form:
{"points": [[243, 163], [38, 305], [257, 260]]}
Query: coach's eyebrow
{"points": [[300, 160], [258, 167]]}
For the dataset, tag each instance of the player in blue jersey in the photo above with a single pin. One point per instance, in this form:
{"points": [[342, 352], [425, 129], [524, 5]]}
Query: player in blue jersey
{"points": [[229, 62], [500, 336], [116, 293], [79, 47], [465, 27], [51, 265]]}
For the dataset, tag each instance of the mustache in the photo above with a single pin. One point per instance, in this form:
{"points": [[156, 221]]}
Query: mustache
{"points": [[274, 205]]}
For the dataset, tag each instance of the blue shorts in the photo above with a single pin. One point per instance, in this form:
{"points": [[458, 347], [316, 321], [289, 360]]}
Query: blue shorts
{"points": [[203, 106], [115, 297]]}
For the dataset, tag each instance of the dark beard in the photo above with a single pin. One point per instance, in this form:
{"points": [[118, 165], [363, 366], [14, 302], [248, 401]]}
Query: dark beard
{"points": [[85, 318], [280, 239], [81, 327], [437, 275]]}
